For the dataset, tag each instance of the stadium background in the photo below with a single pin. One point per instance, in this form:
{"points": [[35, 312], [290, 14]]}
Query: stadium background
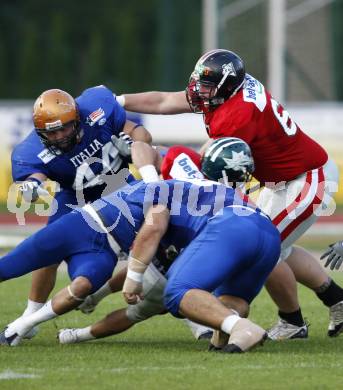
{"points": [[152, 45], [131, 48]]}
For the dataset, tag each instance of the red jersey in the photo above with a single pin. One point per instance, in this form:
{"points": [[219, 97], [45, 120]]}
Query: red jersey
{"points": [[281, 150], [181, 162]]}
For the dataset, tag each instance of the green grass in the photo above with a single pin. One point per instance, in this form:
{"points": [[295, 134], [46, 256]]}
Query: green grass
{"points": [[161, 353]]}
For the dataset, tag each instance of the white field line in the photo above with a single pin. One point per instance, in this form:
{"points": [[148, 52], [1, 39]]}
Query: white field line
{"points": [[9, 374], [156, 368]]}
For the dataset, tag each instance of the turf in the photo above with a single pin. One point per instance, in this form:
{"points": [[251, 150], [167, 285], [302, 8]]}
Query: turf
{"points": [[161, 353]]}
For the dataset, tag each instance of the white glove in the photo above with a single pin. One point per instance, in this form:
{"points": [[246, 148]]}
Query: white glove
{"points": [[32, 190]]}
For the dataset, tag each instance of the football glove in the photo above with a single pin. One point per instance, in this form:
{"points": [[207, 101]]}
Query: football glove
{"points": [[123, 144], [334, 255], [32, 189]]}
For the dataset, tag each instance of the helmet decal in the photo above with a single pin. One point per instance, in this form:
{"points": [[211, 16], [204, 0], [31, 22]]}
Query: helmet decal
{"points": [[228, 159], [53, 125], [239, 160]]}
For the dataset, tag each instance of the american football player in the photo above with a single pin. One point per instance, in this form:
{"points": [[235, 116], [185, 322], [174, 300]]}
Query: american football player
{"points": [[80, 144], [297, 175], [142, 216], [219, 163]]}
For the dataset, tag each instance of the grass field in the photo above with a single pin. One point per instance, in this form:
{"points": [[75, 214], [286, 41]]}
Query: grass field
{"points": [[161, 353]]}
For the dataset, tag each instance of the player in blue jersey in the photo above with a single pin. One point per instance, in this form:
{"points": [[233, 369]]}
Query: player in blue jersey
{"points": [[193, 209], [71, 145], [208, 251]]}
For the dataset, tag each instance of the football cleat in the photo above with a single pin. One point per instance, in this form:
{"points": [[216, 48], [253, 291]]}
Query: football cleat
{"points": [[206, 335], [68, 336], [213, 348], [336, 320], [283, 330], [244, 336], [231, 348], [11, 341]]}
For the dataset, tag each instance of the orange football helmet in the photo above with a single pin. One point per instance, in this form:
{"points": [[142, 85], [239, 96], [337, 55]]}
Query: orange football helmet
{"points": [[52, 111]]}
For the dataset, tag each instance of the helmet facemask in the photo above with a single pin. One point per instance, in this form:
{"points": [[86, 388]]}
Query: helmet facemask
{"points": [[239, 181], [62, 145], [201, 96]]}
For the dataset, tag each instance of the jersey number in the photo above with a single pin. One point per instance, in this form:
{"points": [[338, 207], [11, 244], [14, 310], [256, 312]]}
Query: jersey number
{"points": [[86, 177], [283, 117]]}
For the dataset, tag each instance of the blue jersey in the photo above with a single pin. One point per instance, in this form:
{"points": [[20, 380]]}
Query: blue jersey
{"points": [[191, 204], [101, 116]]}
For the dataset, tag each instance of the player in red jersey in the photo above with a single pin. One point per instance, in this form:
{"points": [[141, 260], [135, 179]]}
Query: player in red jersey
{"points": [[299, 178]]}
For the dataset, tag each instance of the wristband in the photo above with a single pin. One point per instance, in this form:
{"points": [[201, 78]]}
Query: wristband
{"points": [[121, 100], [137, 125], [135, 276]]}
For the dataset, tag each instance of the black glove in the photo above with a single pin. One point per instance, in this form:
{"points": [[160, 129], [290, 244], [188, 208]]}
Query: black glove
{"points": [[334, 255], [123, 144]]}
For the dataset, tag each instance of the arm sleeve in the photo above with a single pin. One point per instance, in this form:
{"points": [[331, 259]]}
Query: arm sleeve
{"points": [[22, 169]]}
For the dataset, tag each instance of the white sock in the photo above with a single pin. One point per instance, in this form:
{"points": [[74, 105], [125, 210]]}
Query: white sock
{"points": [[31, 307], [149, 173], [84, 334], [23, 324], [196, 329], [101, 293], [229, 322]]}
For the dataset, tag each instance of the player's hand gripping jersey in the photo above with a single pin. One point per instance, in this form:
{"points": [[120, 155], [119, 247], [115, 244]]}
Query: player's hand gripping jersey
{"points": [[281, 150]]}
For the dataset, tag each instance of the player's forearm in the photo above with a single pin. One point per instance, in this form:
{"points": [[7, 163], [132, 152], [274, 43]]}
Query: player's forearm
{"points": [[157, 102], [141, 134], [145, 245], [143, 154], [137, 132], [150, 234]]}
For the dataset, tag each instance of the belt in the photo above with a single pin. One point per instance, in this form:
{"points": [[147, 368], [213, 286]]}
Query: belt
{"points": [[97, 218]]}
